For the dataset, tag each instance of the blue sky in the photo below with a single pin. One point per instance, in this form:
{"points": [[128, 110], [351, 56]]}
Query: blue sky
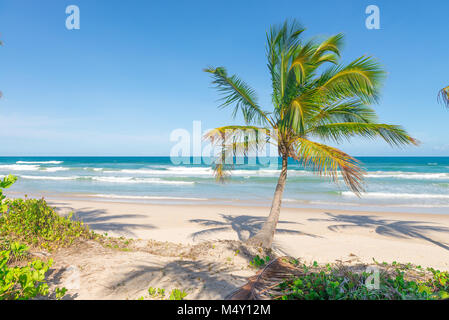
{"points": [[133, 72]]}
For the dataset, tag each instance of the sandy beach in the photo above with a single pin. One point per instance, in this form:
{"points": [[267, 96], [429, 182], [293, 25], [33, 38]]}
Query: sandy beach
{"points": [[325, 236], [314, 235]]}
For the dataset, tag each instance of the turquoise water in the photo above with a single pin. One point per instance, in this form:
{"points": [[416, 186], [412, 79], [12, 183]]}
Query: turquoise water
{"points": [[401, 183]]}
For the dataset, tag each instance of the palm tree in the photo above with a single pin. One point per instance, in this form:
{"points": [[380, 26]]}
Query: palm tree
{"points": [[314, 96], [443, 96]]}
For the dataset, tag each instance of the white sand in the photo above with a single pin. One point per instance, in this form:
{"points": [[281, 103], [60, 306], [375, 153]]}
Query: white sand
{"points": [[312, 235]]}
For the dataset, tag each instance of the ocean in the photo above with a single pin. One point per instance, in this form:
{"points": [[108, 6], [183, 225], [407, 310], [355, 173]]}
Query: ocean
{"points": [[418, 184]]}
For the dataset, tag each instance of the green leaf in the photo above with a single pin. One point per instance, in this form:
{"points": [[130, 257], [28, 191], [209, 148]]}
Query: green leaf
{"points": [[8, 181]]}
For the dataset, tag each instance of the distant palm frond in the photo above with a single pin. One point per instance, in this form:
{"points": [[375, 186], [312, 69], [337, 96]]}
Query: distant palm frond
{"points": [[443, 96]]}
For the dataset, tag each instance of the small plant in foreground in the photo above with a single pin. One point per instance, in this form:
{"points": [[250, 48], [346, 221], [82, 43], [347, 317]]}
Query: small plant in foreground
{"points": [[23, 283], [177, 294], [159, 293], [18, 251], [258, 262], [396, 282], [156, 292]]}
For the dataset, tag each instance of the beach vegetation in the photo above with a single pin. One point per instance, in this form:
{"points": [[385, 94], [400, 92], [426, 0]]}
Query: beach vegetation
{"points": [[316, 100], [259, 262], [33, 222], [287, 278], [5, 183], [156, 292], [23, 282], [159, 294], [177, 294], [20, 283], [404, 282]]}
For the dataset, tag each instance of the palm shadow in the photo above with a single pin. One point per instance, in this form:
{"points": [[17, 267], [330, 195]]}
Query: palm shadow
{"points": [[202, 276], [385, 227], [101, 221], [244, 226]]}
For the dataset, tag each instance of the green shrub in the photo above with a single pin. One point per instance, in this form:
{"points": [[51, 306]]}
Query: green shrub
{"points": [[18, 251], [23, 283], [33, 222], [7, 182], [404, 282]]}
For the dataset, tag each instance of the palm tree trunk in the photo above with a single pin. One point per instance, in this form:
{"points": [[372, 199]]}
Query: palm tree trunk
{"points": [[264, 238]]}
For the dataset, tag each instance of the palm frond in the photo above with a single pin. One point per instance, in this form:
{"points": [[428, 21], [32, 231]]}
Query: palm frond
{"points": [[329, 57], [392, 134], [301, 57], [443, 96], [236, 92], [352, 110], [298, 112], [361, 78], [331, 44], [260, 286], [328, 161], [234, 141], [281, 39]]}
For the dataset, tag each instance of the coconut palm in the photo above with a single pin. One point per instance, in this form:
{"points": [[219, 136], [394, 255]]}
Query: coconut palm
{"points": [[314, 97], [443, 96]]}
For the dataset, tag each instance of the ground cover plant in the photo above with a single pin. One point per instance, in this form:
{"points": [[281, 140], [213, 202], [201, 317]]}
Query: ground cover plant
{"points": [[34, 222], [396, 282]]}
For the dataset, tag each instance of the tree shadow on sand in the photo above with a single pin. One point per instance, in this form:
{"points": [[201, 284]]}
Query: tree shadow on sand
{"points": [[101, 221], [245, 226], [385, 227], [199, 276]]}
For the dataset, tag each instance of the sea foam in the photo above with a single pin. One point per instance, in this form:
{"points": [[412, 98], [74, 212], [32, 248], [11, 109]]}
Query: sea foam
{"points": [[19, 167], [390, 195], [116, 196], [39, 162]]}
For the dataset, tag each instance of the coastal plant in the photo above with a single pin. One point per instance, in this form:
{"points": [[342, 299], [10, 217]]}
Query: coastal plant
{"points": [[26, 282], [33, 222], [5, 183], [316, 99], [258, 262], [18, 251], [396, 282], [177, 294], [159, 293], [156, 292]]}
